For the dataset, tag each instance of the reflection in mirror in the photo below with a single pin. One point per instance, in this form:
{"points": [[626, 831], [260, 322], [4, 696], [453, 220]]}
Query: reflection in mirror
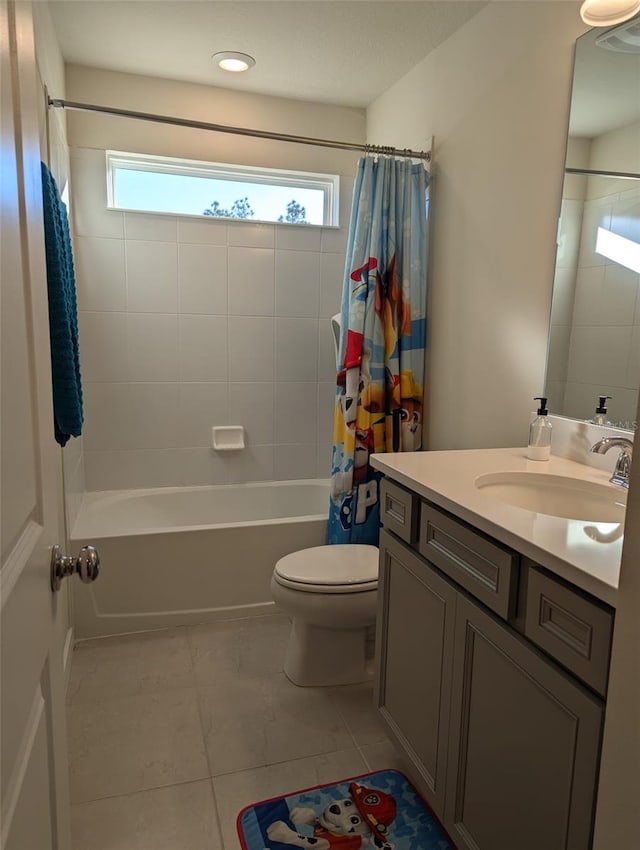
{"points": [[594, 339]]}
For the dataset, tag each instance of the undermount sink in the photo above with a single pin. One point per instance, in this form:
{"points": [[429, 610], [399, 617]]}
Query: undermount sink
{"points": [[556, 495]]}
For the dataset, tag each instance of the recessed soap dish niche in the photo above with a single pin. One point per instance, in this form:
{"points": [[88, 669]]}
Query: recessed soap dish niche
{"points": [[227, 438]]}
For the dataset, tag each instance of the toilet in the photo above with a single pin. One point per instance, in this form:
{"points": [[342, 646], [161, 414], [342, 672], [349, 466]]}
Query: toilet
{"points": [[330, 593]]}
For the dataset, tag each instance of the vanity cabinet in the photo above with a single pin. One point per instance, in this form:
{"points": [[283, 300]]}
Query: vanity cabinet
{"points": [[523, 745], [415, 636], [502, 740]]}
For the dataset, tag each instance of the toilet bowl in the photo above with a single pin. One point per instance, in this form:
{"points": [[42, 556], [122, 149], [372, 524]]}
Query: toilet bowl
{"points": [[330, 592]]}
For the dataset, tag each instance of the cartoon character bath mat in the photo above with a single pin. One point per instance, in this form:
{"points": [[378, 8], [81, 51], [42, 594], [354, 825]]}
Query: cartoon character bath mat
{"points": [[378, 811]]}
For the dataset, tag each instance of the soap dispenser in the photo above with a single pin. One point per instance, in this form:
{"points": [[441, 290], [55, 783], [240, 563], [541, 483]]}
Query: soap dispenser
{"points": [[540, 433], [600, 417]]}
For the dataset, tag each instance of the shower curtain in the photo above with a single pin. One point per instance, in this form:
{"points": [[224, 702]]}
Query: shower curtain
{"points": [[379, 391]]}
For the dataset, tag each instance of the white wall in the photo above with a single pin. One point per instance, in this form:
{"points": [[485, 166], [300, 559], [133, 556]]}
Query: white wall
{"points": [[495, 96], [186, 323]]}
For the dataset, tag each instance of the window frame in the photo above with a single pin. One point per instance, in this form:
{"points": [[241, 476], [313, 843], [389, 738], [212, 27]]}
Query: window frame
{"points": [[328, 183]]}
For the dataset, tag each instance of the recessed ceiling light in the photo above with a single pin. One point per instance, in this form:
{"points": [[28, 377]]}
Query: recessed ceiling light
{"points": [[606, 13], [231, 60]]}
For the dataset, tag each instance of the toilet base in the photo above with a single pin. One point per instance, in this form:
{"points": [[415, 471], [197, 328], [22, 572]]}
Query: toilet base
{"points": [[318, 657]]}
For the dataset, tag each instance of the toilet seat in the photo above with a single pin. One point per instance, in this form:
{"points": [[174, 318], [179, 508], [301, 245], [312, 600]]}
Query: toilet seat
{"points": [[343, 568]]}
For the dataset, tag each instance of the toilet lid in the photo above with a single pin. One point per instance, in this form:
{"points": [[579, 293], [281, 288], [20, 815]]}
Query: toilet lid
{"points": [[344, 568]]}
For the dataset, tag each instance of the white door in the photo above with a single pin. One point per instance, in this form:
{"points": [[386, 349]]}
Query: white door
{"points": [[34, 621]]}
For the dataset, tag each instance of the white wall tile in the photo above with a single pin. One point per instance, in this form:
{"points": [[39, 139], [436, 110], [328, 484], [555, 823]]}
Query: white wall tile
{"points": [[201, 407], [89, 213], [595, 215], [296, 349], [564, 290], [619, 294], [331, 279], [569, 233], [100, 273], [252, 405], [323, 460], [202, 278], [203, 348], [334, 240], [254, 463], [632, 378], [326, 404], [297, 283], [152, 227], [153, 416], [205, 231], [251, 353], [625, 216], [250, 235], [296, 412], [123, 470], [596, 353], [106, 417], [103, 346], [558, 354], [155, 431], [293, 462], [298, 237], [588, 295], [326, 352], [152, 277], [251, 282], [200, 466], [152, 341]]}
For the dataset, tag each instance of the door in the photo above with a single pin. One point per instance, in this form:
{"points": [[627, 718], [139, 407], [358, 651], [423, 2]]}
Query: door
{"points": [[525, 738], [415, 643], [34, 621]]}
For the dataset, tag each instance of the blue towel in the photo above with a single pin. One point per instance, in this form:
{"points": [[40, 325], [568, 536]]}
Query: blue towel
{"points": [[63, 314]]}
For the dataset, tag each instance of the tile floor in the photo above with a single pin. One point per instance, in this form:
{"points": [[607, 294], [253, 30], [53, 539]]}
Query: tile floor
{"points": [[171, 733]]}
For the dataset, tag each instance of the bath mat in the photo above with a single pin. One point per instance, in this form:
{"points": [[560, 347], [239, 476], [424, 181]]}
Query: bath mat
{"points": [[377, 811]]}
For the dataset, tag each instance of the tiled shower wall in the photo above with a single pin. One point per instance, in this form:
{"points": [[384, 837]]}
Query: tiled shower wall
{"points": [[187, 323]]}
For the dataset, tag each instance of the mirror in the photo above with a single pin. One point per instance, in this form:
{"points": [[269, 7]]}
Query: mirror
{"points": [[594, 338]]}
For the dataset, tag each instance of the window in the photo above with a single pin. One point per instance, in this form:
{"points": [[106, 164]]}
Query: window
{"points": [[188, 187]]}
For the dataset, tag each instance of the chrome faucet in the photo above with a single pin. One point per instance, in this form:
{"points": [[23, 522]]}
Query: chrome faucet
{"points": [[623, 463]]}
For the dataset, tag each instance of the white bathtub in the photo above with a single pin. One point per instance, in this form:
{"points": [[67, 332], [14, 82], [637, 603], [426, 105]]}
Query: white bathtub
{"points": [[184, 555]]}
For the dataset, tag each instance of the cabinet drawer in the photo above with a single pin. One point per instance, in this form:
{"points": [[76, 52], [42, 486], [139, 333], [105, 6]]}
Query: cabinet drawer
{"points": [[484, 567], [399, 510], [572, 629]]}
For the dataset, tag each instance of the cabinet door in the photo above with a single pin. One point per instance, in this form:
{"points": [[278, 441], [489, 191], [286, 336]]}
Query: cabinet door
{"points": [[523, 753], [415, 645]]}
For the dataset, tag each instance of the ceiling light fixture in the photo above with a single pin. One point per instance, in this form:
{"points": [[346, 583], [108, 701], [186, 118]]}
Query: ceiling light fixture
{"points": [[231, 60], [606, 13]]}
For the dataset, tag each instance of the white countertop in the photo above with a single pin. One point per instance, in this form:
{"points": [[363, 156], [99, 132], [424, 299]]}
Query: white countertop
{"points": [[564, 546]]}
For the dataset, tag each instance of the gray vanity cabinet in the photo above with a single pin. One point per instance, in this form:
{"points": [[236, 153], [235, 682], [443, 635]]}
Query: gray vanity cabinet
{"points": [[415, 641], [501, 740], [523, 747]]}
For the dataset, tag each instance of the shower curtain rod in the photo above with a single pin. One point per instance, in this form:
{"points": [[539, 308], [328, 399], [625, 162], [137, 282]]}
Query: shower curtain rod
{"points": [[590, 173], [55, 103]]}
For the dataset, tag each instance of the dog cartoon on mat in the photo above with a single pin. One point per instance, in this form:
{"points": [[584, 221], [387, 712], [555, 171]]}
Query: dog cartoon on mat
{"points": [[354, 823]]}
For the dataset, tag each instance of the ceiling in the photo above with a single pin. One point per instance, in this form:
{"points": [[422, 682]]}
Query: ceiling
{"points": [[344, 52]]}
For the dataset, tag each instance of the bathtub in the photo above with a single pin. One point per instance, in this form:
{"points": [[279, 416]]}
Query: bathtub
{"points": [[184, 555]]}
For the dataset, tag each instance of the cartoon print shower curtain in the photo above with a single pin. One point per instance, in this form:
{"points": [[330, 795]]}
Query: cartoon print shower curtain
{"points": [[379, 392]]}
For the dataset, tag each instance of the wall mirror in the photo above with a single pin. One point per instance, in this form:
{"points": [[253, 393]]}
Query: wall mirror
{"points": [[594, 339]]}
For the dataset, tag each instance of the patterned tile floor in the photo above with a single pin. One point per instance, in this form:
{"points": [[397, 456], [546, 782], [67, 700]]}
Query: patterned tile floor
{"points": [[171, 733]]}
